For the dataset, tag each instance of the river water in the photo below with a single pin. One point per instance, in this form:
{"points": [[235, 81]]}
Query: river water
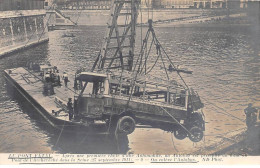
{"points": [[225, 64]]}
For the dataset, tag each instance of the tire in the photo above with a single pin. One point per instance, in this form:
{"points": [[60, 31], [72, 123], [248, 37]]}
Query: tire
{"points": [[126, 125], [180, 133], [196, 134]]}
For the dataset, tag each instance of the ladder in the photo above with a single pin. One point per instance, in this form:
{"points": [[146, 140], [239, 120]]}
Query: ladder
{"points": [[117, 51]]}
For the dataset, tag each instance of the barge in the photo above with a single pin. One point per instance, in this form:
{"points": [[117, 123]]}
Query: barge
{"points": [[51, 107]]}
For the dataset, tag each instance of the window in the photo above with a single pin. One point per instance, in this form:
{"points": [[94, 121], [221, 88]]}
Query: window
{"points": [[117, 89], [94, 88], [177, 99]]}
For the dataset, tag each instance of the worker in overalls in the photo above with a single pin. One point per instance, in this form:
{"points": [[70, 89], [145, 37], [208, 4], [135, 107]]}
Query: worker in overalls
{"points": [[70, 108], [251, 117]]}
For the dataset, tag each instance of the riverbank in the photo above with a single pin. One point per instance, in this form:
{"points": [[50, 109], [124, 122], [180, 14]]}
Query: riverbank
{"points": [[239, 142], [100, 17], [21, 29], [207, 21], [249, 144]]}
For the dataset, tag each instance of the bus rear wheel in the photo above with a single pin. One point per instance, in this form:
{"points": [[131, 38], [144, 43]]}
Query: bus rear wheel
{"points": [[180, 133]]}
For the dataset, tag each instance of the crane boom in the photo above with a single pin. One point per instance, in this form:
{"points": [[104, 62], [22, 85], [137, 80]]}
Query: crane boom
{"points": [[117, 50]]}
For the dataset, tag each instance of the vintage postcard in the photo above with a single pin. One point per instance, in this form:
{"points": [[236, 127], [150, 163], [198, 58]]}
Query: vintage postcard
{"points": [[129, 82]]}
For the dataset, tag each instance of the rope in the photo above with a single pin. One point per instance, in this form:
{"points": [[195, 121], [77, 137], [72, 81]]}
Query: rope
{"points": [[83, 139], [153, 64], [174, 144], [170, 61], [141, 26], [163, 64], [176, 121], [132, 85], [152, 11], [225, 132], [224, 111], [147, 8], [78, 17], [110, 120], [60, 133], [173, 66], [42, 30], [147, 56], [120, 82]]}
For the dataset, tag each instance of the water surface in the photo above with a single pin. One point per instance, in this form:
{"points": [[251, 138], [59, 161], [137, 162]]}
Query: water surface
{"points": [[225, 65]]}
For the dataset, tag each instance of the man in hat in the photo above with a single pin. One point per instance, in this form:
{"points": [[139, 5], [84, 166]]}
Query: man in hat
{"points": [[250, 112], [65, 78]]}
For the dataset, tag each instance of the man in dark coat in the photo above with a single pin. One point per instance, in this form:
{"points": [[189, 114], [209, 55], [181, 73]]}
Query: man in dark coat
{"points": [[250, 112], [65, 78], [70, 108]]}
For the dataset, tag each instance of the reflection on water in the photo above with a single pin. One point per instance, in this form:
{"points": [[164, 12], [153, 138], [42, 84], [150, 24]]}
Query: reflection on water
{"points": [[74, 143], [225, 65]]}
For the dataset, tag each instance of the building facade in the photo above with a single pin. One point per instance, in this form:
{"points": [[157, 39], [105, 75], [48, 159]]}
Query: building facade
{"points": [[177, 3], [105, 4], [83, 4], [189, 3], [184, 4], [22, 24], [9, 5]]}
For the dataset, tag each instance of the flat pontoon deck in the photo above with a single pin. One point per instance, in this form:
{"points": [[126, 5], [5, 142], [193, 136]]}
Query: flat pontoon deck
{"points": [[30, 86]]}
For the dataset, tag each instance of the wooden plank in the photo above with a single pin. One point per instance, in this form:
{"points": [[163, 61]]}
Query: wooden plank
{"points": [[118, 57], [126, 36], [117, 47]]}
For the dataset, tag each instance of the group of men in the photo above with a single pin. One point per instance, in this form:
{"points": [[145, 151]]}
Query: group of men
{"points": [[51, 79], [54, 77]]}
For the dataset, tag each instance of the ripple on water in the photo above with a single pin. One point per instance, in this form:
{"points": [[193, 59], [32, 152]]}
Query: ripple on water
{"points": [[225, 65]]}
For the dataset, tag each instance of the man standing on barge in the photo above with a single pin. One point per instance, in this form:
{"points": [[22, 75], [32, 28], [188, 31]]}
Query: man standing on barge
{"points": [[65, 78], [70, 108]]}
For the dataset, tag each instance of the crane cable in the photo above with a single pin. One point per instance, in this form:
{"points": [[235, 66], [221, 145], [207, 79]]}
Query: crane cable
{"points": [[224, 111]]}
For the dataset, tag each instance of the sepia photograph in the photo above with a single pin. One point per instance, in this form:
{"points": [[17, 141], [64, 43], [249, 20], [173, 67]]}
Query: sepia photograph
{"points": [[129, 81]]}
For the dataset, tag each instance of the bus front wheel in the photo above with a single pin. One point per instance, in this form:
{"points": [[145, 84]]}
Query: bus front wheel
{"points": [[126, 124]]}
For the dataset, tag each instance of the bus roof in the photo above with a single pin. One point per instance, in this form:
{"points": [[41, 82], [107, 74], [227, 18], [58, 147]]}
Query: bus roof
{"points": [[91, 76]]}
